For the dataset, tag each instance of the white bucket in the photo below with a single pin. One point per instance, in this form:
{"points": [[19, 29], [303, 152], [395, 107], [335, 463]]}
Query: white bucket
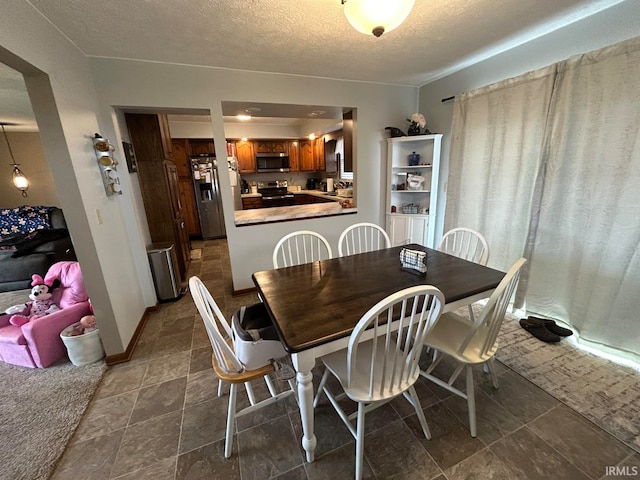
{"points": [[83, 349]]}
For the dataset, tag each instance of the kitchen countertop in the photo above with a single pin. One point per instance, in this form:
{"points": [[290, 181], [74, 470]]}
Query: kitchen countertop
{"points": [[256, 216]]}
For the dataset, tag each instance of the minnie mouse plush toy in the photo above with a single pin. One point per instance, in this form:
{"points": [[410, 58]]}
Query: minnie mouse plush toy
{"points": [[41, 303]]}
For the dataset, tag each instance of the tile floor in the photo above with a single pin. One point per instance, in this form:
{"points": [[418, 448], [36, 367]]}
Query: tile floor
{"points": [[158, 417]]}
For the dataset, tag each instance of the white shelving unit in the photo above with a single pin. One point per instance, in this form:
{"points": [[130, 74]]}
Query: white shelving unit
{"points": [[414, 219]]}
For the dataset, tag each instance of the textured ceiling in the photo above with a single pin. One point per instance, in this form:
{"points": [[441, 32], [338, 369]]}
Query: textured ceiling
{"points": [[308, 37]]}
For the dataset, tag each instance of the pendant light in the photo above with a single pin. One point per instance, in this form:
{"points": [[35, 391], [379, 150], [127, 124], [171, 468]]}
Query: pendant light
{"points": [[19, 179], [376, 16]]}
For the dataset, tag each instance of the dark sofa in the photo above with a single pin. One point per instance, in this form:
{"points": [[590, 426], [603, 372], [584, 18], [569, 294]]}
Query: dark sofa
{"points": [[24, 252]]}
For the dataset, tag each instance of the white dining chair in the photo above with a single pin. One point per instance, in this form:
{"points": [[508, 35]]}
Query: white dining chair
{"points": [[381, 360], [226, 364], [472, 343], [467, 244], [362, 237], [300, 247]]}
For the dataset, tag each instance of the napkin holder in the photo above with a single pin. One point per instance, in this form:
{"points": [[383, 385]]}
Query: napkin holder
{"points": [[413, 261]]}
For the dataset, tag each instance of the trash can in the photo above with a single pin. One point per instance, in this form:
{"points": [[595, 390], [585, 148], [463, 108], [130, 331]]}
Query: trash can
{"points": [[162, 258], [82, 349]]}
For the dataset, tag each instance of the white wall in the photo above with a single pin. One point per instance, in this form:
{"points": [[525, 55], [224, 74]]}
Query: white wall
{"points": [[28, 152], [610, 26], [126, 84], [61, 90]]}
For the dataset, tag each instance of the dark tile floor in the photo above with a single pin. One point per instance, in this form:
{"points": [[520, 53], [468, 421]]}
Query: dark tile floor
{"points": [[158, 417]]}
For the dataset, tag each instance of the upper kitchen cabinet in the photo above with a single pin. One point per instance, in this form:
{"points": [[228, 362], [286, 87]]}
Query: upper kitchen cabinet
{"points": [[271, 146], [180, 149], [202, 146], [246, 156], [294, 156], [307, 161], [318, 154]]}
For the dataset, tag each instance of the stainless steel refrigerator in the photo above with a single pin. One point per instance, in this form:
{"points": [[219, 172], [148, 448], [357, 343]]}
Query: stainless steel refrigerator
{"points": [[206, 183]]}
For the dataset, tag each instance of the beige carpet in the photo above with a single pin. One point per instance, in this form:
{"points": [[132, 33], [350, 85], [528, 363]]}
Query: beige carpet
{"points": [[602, 391], [40, 409]]}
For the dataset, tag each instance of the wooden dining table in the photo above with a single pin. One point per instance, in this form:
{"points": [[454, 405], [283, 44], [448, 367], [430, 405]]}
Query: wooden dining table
{"points": [[315, 306]]}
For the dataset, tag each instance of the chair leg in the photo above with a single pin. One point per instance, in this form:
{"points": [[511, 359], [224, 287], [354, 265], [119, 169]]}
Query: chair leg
{"points": [[420, 412], [360, 442], [270, 385], [252, 397], [219, 388], [231, 420], [471, 401], [491, 366], [325, 376]]}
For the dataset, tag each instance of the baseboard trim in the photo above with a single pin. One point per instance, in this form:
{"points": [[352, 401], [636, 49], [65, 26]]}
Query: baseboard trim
{"points": [[244, 291], [126, 355]]}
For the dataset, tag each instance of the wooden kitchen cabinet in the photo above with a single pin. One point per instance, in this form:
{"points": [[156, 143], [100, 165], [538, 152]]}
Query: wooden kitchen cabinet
{"points": [[294, 156], [203, 146], [307, 163], [251, 202], [318, 154], [180, 149], [271, 146], [188, 202], [159, 185], [246, 157]]}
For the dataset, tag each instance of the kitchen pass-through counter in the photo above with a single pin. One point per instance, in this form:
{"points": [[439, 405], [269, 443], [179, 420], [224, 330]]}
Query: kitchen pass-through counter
{"points": [[257, 216]]}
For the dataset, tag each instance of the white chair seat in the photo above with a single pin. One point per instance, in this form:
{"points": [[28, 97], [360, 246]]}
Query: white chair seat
{"points": [[450, 332], [358, 391]]}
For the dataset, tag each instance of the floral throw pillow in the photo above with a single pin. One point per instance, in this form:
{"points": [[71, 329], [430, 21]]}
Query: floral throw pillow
{"points": [[24, 219]]}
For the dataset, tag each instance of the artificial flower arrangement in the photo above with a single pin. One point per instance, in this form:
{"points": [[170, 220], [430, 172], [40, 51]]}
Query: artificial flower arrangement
{"points": [[417, 125]]}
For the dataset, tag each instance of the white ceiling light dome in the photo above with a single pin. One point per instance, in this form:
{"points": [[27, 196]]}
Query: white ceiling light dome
{"points": [[376, 16]]}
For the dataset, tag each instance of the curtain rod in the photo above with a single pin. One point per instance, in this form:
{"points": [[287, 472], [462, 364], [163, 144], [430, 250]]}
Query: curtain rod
{"points": [[447, 99]]}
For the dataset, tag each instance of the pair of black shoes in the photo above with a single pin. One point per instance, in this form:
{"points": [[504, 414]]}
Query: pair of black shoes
{"points": [[544, 329]]}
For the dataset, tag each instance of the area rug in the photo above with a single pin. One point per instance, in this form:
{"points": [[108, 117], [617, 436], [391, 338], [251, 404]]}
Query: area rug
{"points": [[39, 411], [602, 391]]}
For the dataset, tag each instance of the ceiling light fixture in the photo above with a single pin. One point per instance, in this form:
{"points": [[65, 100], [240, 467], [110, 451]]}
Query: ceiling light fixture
{"points": [[19, 179], [243, 118], [376, 16]]}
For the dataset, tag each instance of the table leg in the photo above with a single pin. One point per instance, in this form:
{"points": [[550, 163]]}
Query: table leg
{"points": [[303, 363]]}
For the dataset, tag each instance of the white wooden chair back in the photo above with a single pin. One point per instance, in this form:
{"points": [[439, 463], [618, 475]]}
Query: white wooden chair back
{"points": [[304, 246], [484, 332], [361, 238], [212, 318], [465, 243], [394, 355]]}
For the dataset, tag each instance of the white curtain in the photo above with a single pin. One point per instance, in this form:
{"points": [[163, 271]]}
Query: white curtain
{"points": [[585, 266], [495, 157], [553, 174]]}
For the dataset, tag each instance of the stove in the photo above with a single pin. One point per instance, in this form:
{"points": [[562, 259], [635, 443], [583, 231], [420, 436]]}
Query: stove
{"points": [[275, 194]]}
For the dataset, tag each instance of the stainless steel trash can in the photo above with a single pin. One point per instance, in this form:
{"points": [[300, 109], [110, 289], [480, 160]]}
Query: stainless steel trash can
{"points": [[164, 268]]}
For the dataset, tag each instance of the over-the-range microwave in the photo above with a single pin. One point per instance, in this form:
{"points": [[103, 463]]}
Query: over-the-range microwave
{"points": [[272, 162]]}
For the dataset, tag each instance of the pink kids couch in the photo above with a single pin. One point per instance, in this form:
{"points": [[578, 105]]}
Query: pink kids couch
{"points": [[37, 344]]}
